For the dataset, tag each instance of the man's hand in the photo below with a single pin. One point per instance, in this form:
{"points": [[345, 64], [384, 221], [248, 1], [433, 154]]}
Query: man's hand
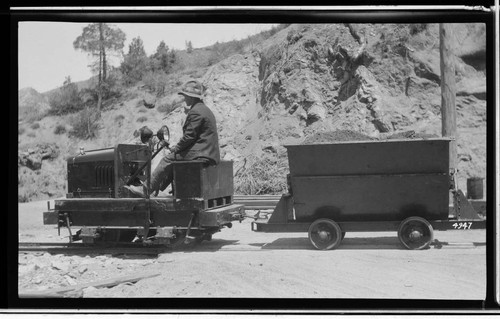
{"points": [[164, 144]]}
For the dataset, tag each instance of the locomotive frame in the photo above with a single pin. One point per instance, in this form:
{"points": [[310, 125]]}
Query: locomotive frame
{"points": [[106, 212]]}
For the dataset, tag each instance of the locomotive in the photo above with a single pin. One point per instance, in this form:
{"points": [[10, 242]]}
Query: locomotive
{"points": [[105, 211]]}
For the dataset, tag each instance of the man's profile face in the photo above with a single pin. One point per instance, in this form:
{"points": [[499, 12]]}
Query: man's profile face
{"points": [[188, 102]]}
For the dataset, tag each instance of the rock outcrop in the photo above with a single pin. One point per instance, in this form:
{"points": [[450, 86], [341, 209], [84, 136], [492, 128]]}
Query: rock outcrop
{"points": [[32, 157], [376, 80]]}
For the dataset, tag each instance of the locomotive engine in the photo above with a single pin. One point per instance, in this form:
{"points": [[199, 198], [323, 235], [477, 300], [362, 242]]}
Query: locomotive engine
{"points": [[104, 211], [103, 173]]}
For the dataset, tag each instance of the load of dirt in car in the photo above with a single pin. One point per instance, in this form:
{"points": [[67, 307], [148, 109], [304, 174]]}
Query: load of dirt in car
{"points": [[348, 135], [336, 136], [409, 135]]}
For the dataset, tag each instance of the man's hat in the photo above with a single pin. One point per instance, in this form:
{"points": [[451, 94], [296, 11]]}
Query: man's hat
{"points": [[192, 88]]}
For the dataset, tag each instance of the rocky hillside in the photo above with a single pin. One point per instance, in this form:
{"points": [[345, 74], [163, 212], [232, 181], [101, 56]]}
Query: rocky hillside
{"points": [[32, 105], [375, 80]]}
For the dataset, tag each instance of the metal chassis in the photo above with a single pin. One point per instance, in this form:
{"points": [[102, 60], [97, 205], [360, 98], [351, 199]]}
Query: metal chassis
{"points": [[294, 227], [162, 214], [281, 220]]}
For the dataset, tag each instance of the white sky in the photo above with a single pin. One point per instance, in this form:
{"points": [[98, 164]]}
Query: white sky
{"points": [[46, 54]]}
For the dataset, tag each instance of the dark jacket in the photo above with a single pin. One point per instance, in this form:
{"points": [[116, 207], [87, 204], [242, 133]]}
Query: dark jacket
{"points": [[200, 138]]}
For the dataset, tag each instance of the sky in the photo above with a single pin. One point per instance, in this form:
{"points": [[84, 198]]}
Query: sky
{"points": [[46, 55]]}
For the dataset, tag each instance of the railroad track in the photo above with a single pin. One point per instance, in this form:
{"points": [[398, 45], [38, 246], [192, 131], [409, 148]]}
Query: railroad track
{"points": [[137, 249], [80, 248], [251, 202]]}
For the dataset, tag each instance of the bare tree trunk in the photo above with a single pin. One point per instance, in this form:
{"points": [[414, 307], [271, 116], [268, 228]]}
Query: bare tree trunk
{"points": [[104, 66], [99, 78], [101, 62], [448, 90], [89, 133], [99, 98], [103, 52], [99, 84]]}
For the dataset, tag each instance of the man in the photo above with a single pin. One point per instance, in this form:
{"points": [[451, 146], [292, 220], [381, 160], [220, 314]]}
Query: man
{"points": [[199, 141]]}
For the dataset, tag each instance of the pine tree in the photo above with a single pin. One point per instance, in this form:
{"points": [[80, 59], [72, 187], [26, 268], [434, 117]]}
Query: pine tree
{"points": [[135, 63], [161, 59], [99, 40], [189, 47]]}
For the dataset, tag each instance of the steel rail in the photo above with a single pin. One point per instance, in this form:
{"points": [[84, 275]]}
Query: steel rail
{"points": [[76, 249], [80, 248]]}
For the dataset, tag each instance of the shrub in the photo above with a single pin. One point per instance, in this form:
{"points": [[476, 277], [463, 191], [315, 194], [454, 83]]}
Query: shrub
{"points": [[119, 118], [262, 175], [21, 130], [65, 100], [417, 28], [142, 119], [40, 184], [33, 111], [155, 82], [31, 134], [109, 89], [60, 129], [23, 198], [85, 124], [35, 126]]}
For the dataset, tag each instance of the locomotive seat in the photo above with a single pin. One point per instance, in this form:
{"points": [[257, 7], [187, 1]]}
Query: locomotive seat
{"points": [[201, 179]]}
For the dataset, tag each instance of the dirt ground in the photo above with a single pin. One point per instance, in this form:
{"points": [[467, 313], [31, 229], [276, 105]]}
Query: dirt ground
{"points": [[240, 263]]}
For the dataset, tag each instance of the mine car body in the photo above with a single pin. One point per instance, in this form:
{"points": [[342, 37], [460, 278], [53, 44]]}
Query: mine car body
{"points": [[401, 185]]}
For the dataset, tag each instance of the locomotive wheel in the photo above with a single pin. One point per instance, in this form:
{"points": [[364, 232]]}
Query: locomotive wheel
{"points": [[110, 236], [325, 234], [178, 241], [126, 236], [118, 236], [415, 233]]}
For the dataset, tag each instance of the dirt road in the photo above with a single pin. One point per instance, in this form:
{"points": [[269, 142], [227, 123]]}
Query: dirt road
{"points": [[239, 263]]}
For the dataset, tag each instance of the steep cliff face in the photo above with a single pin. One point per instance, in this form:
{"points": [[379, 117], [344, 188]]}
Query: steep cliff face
{"points": [[232, 89]]}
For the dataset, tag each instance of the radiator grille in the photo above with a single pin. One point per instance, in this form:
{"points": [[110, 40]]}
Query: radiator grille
{"points": [[104, 175]]}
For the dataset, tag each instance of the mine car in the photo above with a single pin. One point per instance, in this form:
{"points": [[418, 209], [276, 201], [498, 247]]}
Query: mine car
{"points": [[390, 185], [102, 210]]}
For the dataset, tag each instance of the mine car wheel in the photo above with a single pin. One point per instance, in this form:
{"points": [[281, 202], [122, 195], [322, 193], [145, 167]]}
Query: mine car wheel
{"points": [[415, 233], [325, 234]]}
